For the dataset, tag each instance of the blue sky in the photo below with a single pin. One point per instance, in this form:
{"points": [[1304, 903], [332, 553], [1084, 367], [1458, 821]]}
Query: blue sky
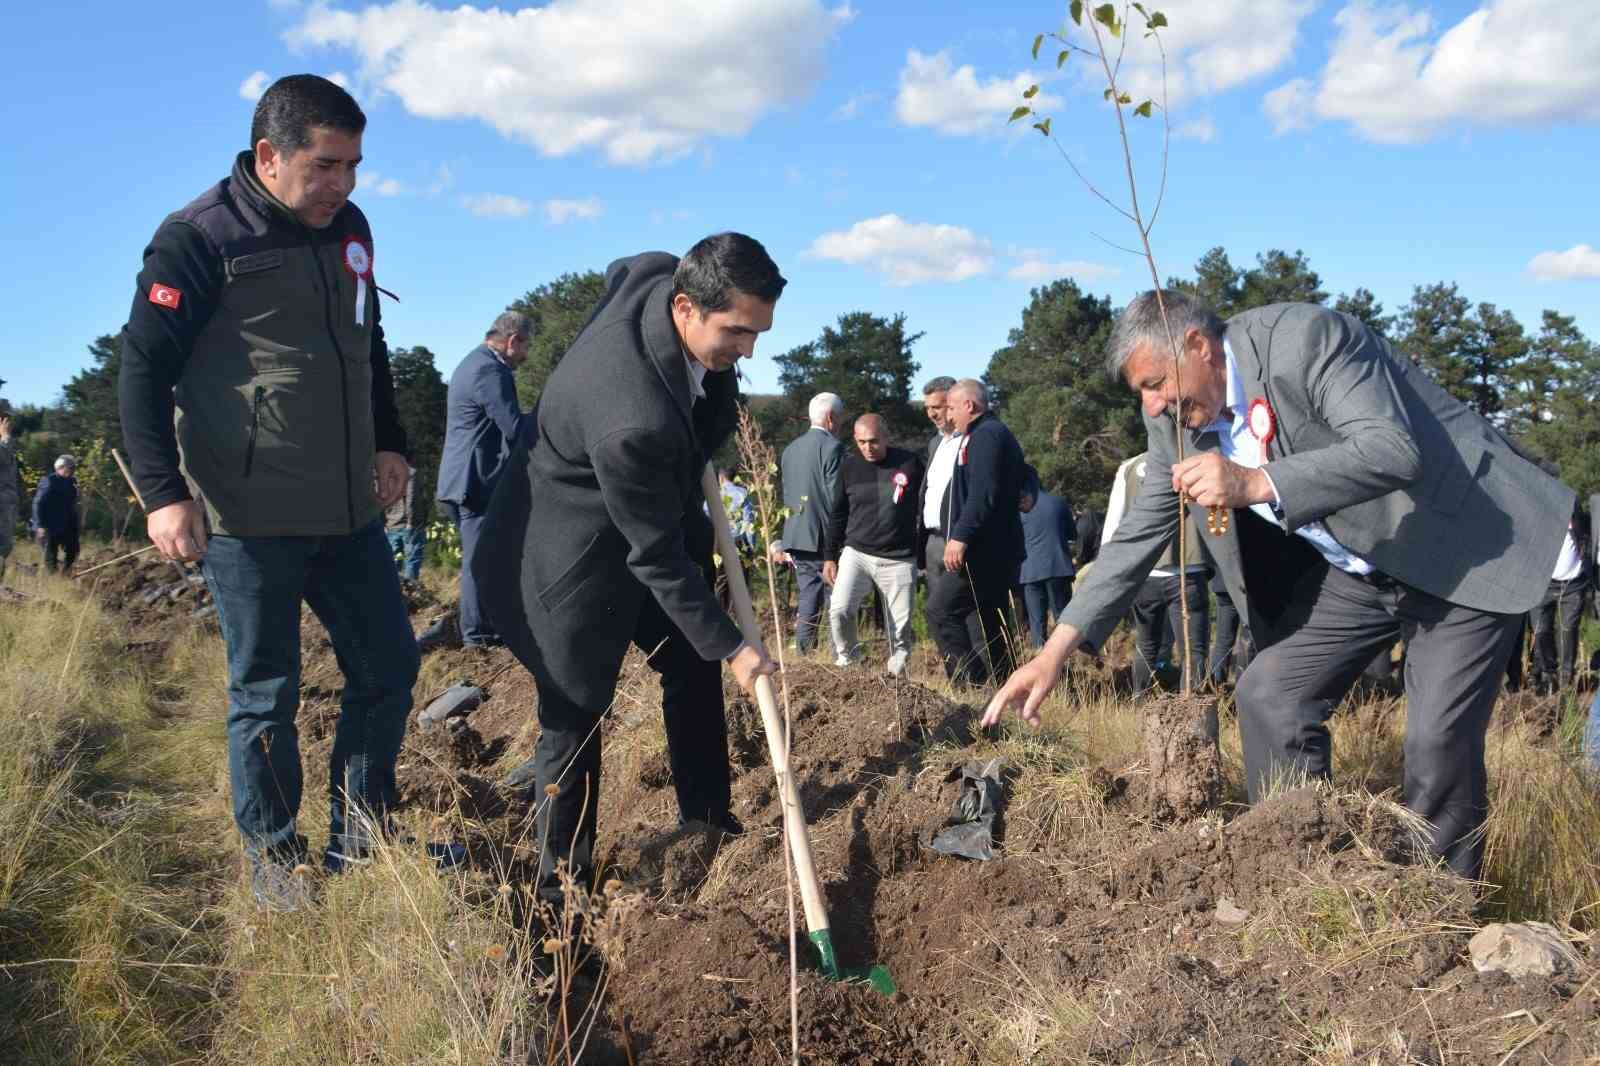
{"points": [[864, 144]]}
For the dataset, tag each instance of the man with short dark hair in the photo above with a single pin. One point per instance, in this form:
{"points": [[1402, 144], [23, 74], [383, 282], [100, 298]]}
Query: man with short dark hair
{"points": [[482, 424], [1358, 502], [256, 320], [985, 547], [872, 540], [596, 538], [56, 521]]}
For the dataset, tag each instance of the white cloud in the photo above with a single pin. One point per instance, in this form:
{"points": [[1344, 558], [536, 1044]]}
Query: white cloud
{"points": [[1211, 45], [1509, 62], [1290, 106], [1199, 129], [340, 78], [375, 183], [853, 106], [560, 211], [951, 99], [256, 84], [907, 252], [496, 205], [442, 180], [539, 75], [1580, 262], [1035, 267]]}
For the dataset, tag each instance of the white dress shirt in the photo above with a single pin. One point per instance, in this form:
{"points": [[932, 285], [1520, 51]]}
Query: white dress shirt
{"points": [[1569, 564], [1239, 445], [940, 471]]}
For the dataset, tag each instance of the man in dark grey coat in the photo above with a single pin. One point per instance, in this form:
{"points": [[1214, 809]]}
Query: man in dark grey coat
{"points": [[482, 424], [595, 538], [809, 470], [1362, 503]]}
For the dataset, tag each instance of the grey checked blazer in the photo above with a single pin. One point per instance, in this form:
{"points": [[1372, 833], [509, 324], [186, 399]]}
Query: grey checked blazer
{"points": [[1399, 471]]}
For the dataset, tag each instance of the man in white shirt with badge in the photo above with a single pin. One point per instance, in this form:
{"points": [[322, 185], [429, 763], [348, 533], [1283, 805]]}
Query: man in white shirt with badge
{"points": [[934, 507]]}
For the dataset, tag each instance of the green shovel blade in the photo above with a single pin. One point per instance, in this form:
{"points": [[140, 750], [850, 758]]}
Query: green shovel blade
{"points": [[877, 976]]}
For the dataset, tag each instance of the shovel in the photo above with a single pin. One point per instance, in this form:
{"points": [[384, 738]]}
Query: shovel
{"points": [[778, 749]]}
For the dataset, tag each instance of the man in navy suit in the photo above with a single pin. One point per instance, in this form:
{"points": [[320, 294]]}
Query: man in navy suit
{"points": [[482, 425], [985, 547]]}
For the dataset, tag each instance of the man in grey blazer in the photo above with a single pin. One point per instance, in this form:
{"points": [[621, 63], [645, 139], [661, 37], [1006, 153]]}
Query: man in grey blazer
{"points": [[809, 469], [1414, 517], [596, 537]]}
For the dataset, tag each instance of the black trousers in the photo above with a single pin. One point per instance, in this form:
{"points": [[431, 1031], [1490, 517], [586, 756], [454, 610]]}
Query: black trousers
{"points": [[969, 613], [1555, 622], [60, 550], [568, 752], [1232, 645], [1332, 626], [1156, 616]]}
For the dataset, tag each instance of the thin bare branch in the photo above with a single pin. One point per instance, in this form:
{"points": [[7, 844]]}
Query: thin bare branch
{"points": [[1087, 184], [1114, 244]]}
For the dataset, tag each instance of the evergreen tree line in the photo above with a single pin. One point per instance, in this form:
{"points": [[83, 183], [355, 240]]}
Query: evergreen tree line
{"points": [[1047, 382]]}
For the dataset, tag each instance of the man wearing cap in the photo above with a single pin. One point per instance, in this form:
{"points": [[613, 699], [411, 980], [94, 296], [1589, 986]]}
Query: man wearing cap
{"points": [[55, 516]]}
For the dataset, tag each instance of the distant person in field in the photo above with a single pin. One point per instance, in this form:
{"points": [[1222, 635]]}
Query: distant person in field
{"points": [[9, 494], [1048, 531], [597, 538], [406, 524], [256, 321], [933, 508], [1231, 647], [1555, 619], [1158, 607], [56, 522], [872, 541], [482, 424], [985, 547], [809, 470], [1362, 503]]}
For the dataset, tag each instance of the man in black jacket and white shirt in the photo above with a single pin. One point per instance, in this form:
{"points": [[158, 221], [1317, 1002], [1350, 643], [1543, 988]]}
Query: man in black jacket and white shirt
{"points": [[872, 538], [595, 538]]}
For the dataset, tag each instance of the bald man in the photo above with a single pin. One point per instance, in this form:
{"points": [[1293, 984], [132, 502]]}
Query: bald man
{"points": [[871, 538], [985, 547]]}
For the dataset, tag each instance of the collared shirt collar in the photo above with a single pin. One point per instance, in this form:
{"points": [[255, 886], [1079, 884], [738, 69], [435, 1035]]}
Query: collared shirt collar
{"points": [[697, 377], [1235, 398]]}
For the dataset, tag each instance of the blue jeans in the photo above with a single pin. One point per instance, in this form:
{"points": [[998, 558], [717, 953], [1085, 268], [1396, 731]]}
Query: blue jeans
{"points": [[350, 583], [1591, 736], [409, 545]]}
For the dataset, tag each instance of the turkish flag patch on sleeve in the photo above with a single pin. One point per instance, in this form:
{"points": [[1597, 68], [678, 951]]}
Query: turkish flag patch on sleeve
{"points": [[165, 296]]}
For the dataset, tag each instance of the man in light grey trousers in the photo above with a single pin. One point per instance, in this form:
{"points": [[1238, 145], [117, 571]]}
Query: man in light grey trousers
{"points": [[1362, 503]]}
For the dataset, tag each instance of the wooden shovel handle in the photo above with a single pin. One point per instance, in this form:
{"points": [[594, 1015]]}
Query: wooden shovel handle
{"points": [[767, 699]]}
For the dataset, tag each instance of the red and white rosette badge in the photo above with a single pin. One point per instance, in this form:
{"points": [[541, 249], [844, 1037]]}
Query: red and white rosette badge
{"points": [[1263, 423], [900, 483], [358, 260], [961, 454]]}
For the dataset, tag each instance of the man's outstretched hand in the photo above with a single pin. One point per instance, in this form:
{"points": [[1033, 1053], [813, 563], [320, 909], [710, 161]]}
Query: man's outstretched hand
{"points": [[1025, 690]]}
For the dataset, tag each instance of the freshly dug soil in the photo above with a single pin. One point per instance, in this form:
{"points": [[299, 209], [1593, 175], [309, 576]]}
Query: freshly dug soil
{"points": [[1187, 931]]}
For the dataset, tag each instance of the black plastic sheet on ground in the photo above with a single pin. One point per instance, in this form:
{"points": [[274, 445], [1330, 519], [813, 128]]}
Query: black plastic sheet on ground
{"points": [[969, 831]]}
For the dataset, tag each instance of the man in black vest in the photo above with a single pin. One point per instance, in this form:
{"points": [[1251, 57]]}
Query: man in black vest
{"points": [[986, 545], [256, 316], [596, 539]]}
